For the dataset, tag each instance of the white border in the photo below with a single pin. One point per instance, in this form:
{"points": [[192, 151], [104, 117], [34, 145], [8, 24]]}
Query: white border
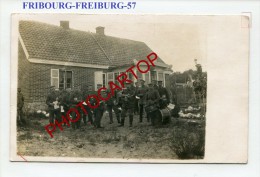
{"points": [[80, 169]]}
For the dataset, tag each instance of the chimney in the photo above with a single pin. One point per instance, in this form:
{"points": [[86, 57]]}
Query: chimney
{"points": [[100, 30], [65, 24]]}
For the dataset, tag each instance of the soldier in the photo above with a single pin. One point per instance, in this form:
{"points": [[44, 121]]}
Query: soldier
{"points": [[84, 97], [141, 91], [20, 103], [127, 104], [53, 102], [113, 104], [154, 83], [75, 99], [99, 111], [65, 102], [164, 95], [92, 101], [136, 109], [152, 104]]}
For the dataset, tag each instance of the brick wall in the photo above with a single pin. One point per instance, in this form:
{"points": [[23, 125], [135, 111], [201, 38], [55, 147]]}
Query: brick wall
{"points": [[40, 80]]}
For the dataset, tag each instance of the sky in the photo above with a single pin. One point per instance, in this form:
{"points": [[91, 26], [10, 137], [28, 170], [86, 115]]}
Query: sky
{"points": [[178, 40]]}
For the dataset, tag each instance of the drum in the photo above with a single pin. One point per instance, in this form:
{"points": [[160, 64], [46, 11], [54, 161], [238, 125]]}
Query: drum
{"points": [[165, 114], [150, 108]]}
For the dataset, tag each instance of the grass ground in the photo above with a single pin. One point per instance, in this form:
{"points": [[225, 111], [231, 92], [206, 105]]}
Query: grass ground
{"points": [[141, 141]]}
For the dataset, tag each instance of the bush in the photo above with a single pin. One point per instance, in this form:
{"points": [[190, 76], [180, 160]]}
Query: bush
{"points": [[188, 141]]}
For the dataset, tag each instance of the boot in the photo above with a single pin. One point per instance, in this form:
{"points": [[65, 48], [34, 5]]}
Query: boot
{"points": [[140, 119], [131, 120], [118, 120], [122, 123]]}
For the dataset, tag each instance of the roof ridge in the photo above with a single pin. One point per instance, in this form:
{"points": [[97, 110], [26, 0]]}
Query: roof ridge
{"points": [[78, 45], [101, 48], [78, 30]]}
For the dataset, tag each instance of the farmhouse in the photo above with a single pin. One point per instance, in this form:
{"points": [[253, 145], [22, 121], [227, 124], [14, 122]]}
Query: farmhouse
{"points": [[59, 56]]}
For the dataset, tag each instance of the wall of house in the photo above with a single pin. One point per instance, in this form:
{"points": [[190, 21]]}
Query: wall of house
{"points": [[147, 77], [40, 81], [23, 73]]}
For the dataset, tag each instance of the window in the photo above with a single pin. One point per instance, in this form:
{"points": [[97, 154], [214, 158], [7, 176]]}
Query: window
{"points": [[115, 78], [65, 79], [139, 75], [104, 80], [110, 77], [61, 78], [160, 76], [147, 77], [153, 75], [130, 76]]}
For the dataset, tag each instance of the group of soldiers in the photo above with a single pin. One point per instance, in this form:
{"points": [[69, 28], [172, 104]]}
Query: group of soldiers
{"points": [[133, 99]]}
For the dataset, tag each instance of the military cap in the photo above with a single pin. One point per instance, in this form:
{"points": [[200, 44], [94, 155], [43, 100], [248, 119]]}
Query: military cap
{"points": [[150, 83], [160, 81]]}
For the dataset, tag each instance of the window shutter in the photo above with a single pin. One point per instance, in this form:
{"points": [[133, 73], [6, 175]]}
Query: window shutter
{"points": [[55, 78], [98, 79]]}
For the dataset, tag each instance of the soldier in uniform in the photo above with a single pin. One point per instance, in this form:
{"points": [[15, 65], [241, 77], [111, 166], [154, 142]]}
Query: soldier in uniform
{"points": [[113, 104], [20, 103], [127, 104], [154, 83], [141, 91], [75, 99], [84, 97], [65, 102], [152, 104], [53, 102], [92, 101], [99, 111], [164, 95], [136, 110]]}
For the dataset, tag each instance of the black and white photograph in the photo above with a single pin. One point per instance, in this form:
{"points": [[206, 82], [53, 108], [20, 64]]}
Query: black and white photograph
{"points": [[118, 88]]}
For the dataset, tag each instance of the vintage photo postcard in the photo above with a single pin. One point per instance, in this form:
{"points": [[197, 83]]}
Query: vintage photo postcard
{"points": [[129, 88]]}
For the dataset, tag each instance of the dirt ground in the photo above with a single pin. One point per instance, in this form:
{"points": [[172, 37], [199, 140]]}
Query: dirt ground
{"points": [[139, 142]]}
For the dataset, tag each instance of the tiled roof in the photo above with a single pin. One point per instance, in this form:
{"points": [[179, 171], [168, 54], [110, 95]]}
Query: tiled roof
{"points": [[50, 42]]}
